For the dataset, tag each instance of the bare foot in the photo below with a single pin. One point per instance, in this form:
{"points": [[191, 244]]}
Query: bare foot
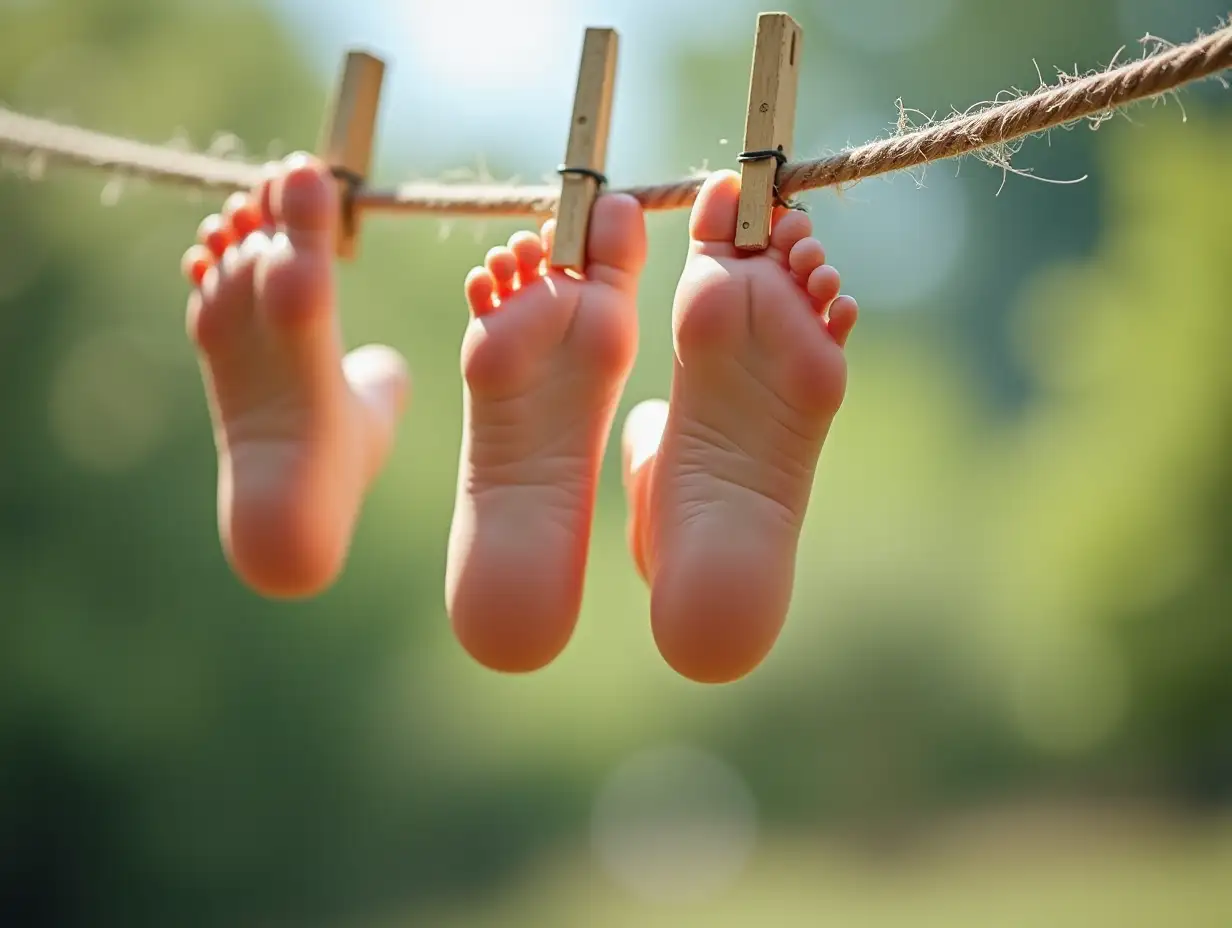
{"points": [[545, 360], [719, 478], [300, 430]]}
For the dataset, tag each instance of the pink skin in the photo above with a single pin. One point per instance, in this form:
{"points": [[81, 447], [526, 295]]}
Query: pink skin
{"points": [[719, 479], [544, 360], [301, 430]]}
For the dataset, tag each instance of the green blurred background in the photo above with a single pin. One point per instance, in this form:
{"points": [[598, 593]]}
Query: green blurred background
{"points": [[1004, 695]]}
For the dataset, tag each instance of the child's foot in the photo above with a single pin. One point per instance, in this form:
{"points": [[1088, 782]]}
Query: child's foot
{"points": [[719, 479], [301, 431], [545, 360]]}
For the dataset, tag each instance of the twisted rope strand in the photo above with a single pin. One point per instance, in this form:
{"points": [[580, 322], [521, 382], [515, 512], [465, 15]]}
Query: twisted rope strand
{"points": [[1069, 101], [1047, 109], [40, 140], [965, 134]]}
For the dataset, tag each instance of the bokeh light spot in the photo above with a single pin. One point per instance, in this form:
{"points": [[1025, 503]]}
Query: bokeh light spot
{"points": [[674, 824]]}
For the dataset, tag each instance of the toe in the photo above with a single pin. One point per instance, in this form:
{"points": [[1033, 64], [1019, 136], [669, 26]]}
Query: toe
{"points": [[219, 303], [263, 194], [295, 292], [255, 247], [195, 265], [616, 241], [528, 250], [196, 261], [842, 319], [805, 257], [479, 291], [215, 234], [295, 278], [823, 285], [234, 279], [242, 216], [790, 229], [547, 235], [640, 439], [713, 219], [503, 267], [305, 204]]}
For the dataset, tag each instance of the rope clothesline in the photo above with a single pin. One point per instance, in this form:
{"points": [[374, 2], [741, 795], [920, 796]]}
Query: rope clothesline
{"points": [[990, 128]]}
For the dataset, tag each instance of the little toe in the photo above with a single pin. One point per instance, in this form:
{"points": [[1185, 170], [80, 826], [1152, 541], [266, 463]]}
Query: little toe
{"points": [[503, 266], [221, 300], [793, 227], [196, 261], [215, 234], [823, 286], [480, 289], [842, 319], [242, 216], [528, 250], [805, 257]]}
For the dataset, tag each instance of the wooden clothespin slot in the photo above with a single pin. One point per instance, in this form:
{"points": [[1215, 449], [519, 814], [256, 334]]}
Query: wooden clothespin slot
{"points": [[586, 154], [769, 126], [347, 137]]}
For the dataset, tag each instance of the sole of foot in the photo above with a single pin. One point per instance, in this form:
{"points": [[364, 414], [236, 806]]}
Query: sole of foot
{"points": [[719, 477], [300, 428], [544, 362]]}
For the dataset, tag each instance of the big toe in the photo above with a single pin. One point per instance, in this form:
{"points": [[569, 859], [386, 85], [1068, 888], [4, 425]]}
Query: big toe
{"points": [[305, 203], [296, 281], [616, 241], [713, 220]]}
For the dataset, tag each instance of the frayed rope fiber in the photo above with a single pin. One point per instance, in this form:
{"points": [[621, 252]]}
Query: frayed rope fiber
{"points": [[1070, 100]]}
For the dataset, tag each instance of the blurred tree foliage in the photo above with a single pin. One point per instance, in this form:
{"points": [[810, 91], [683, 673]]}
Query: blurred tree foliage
{"points": [[994, 596]]}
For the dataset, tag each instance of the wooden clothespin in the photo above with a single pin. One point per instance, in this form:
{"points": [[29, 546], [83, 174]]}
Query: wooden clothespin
{"points": [[347, 137], [586, 154], [769, 126]]}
